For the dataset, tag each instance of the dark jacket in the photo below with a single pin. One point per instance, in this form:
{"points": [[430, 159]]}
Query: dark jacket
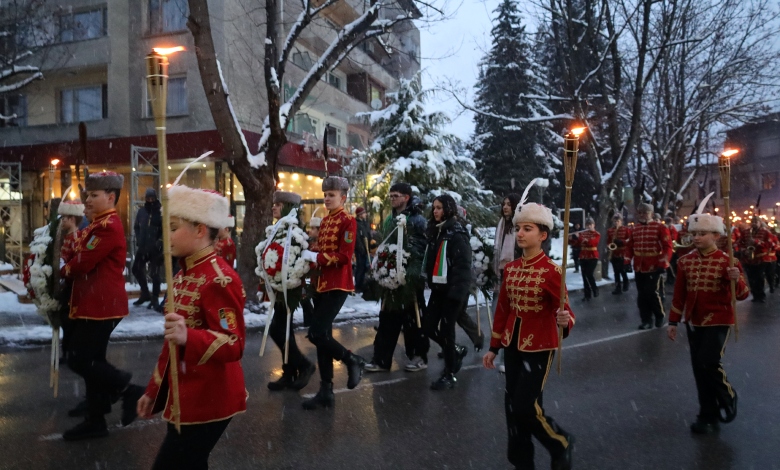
{"points": [[415, 234], [458, 257], [148, 229], [363, 237]]}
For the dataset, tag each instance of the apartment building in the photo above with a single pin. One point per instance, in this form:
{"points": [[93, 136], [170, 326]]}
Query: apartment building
{"points": [[95, 73]]}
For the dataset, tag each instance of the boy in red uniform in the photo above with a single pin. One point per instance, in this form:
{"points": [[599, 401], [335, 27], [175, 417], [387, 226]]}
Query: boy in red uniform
{"points": [[702, 298], [526, 326], [618, 235], [336, 245], [98, 303], [224, 245], [207, 327], [71, 214], [588, 243]]}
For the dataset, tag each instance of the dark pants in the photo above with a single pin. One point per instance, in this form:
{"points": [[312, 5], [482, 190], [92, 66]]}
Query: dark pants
{"points": [[361, 265], [139, 271], [189, 450], [526, 374], [575, 256], [391, 323], [66, 323], [326, 307], [588, 280], [296, 361], [440, 319], [87, 358], [755, 275], [648, 297], [621, 276], [707, 346], [468, 325], [307, 305], [769, 273]]}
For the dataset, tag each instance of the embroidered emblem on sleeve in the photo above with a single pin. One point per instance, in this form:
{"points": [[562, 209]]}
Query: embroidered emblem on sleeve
{"points": [[227, 319], [93, 242], [349, 237]]}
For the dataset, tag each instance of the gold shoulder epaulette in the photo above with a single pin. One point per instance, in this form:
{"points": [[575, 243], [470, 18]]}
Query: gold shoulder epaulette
{"points": [[221, 279]]}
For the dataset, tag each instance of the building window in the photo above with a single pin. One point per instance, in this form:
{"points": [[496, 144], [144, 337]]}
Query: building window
{"points": [[176, 105], [335, 136], [769, 180], [84, 104], [304, 123], [13, 109], [167, 16], [376, 96], [355, 141], [303, 60], [334, 80], [82, 25]]}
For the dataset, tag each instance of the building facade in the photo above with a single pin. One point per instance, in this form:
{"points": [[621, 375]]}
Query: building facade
{"points": [[95, 73]]}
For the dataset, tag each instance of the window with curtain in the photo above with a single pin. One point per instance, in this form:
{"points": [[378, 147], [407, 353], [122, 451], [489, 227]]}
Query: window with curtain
{"points": [[83, 104], [176, 105], [166, 16], [82, 25]]}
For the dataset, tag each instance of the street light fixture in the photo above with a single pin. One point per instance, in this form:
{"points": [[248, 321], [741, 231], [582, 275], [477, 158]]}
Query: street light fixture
{"points": [[52, 167], [157, 85]]}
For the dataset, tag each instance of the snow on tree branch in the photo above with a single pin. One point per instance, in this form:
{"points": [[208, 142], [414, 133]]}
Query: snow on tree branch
{"points": [[255, 161]]}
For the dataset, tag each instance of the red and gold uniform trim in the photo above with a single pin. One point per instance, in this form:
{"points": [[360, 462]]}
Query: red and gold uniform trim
{"points": [[651, 247], [336, 246], [620, 238], [588, 243]]}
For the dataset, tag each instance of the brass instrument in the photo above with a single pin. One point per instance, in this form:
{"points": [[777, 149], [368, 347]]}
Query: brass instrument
{"points": [[750, 252], [687, 242], [612, 247]]}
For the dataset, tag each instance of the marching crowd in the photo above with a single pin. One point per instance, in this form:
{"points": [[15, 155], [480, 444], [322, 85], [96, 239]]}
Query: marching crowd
{"points": [[199, 382]]}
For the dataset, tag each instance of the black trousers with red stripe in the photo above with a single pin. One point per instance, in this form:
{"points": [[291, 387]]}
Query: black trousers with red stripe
{"points": [[526, 374], [707, 344]]}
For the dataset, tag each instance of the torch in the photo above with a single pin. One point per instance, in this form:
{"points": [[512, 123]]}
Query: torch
{"points": [[157, 83], [571, 144], [724, 165]]}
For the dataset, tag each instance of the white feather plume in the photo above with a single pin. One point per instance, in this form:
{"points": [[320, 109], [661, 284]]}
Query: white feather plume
{"points": [[703, 204], [190, 164], [524, 198]]}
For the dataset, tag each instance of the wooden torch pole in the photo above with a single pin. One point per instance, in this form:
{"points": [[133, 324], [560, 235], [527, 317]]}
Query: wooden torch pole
{"points": [[571, 143], [724, 165], [157, 82]]}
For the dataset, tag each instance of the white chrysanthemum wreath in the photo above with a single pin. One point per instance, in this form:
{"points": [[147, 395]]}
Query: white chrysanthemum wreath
{"points": [[40, 274], [390, 261], [283, 239]]}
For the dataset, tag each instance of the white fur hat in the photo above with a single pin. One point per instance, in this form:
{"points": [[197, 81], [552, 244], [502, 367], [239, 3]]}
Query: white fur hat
{"points": [[231, 221], [699, 222], [533, 212], [74, 208], [203, 206], [315, 222]]}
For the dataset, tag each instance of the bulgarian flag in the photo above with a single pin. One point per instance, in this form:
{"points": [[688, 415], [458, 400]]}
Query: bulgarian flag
{"points": [[440, 267]]}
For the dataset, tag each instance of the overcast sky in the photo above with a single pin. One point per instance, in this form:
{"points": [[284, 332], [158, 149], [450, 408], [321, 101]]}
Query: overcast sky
{"points": [[451, 50]]}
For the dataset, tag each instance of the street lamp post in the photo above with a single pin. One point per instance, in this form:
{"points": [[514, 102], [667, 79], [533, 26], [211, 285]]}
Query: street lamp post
{"points": [[52, 168], [724, 165], [157, 84]]}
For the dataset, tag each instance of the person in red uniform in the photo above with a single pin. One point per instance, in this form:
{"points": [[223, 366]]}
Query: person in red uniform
{"points": [[224, 245], [207, 326], [526, 326], [618, 235], [98, 303], [71, 214], [588, 243], [754, 245], [672, 269], [336, 245], [702, 299], [769, 261], [651, 248]]}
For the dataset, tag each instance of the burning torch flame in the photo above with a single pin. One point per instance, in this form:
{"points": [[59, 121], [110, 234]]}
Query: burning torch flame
{"points": [[168, 50], [730, 152], [577, 131]]}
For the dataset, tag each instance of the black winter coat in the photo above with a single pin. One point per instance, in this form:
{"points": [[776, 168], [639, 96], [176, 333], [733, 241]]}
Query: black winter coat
{"points": [[459, 277], [148, 229]]}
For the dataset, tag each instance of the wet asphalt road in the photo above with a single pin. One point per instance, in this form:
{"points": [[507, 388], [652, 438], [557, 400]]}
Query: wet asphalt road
{"points": [[628, 396]]}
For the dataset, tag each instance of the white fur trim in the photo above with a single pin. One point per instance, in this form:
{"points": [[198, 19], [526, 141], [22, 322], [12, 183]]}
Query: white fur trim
{"points": [[534, 213], [231, 222], [74, 208], [706, 223], [315, 222], [198, 205]]}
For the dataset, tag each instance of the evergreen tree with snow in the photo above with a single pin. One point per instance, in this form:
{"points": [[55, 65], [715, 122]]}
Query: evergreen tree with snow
{"points": [[510, 153], [412, 145]]}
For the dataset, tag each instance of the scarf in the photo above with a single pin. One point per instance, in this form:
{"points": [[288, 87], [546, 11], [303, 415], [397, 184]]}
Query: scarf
{"points": [[440, 266], [505, 246]]}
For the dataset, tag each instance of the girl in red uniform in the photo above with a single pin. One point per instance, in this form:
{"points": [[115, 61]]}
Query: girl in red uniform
{"points": [[526, 326]]}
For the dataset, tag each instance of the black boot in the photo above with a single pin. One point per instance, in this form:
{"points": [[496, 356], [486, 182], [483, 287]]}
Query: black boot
{"points": [[142, 299], [355, 365], [460, 353], [79, 410], [285, 381], [729, 411], [625, 287], [304, 375], [130, 398], [595, 292], [155, 303], [447, 381], [563, 461], [324, 398], [87, 429], [617, 290], [704, 427], [480, 343]]}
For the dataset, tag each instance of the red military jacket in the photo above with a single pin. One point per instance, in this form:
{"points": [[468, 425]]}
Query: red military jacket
{"points": [[761, 239], [68, 249], [702, 290], [336, 244], [588, 243], [771, 255], [682, 251], [620, 240], [530, 294], [226, 249], [722, 242], [97, 268], [651, 247], [672, 231], [209, 294]]}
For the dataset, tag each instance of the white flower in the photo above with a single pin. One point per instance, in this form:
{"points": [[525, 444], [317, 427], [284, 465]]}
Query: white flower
{"points": [[401, 220], [479, 256]]}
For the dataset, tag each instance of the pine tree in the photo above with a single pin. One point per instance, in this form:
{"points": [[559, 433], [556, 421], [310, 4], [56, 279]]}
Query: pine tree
{"points": [[412, 145], [509, 155]]}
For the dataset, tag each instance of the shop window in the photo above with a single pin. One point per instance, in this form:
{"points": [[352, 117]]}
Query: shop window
{"points": [[167, 16], [82, 25], [84, 104], [769, 180], [176, 105], [16, 106]]}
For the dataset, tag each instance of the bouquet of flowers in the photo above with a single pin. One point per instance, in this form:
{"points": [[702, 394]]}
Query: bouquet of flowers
{"points": [[391, 268], [387, 272], [42, 282], [279, 261], [482, 255]]}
